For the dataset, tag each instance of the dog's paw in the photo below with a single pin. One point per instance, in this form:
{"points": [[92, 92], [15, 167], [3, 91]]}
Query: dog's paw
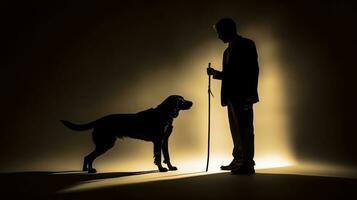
{"points": [[172, 168], [92, 171], [163, 169]]}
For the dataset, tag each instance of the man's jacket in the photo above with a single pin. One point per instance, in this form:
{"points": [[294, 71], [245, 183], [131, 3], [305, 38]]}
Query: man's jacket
{"points": [[240, 73]]}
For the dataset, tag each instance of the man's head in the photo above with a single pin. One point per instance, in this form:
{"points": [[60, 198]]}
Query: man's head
{"points": [[226, 29]]}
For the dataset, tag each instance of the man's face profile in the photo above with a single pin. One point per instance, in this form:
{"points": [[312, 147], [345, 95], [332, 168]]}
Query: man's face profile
{"points": [[222, 36]]}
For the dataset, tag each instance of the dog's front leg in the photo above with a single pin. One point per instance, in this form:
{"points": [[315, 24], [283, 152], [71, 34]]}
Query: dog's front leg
{"points": [[165, 151], [165, 148], [157, 155]]}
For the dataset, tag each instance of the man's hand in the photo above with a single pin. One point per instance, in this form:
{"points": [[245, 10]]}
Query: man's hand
{"points": [[211, 71]]}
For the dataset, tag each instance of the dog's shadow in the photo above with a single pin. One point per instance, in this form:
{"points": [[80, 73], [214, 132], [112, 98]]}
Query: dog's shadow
{"points": [[49, 182]]}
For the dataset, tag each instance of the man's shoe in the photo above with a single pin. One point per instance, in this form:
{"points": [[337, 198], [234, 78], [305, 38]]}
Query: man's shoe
{"points": [[233, 165], [243, 170]]}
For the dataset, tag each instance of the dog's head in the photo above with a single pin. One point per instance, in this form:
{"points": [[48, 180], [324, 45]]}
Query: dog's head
{"points": [[174, 103]]}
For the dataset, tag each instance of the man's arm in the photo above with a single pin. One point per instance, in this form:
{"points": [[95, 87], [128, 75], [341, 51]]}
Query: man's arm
{"points": [[215, 73], [218, 75]]}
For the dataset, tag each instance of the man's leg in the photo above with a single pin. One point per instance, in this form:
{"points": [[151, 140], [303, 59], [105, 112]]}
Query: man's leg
{"points": [[235, 132], [250, 136], [245, 123], [247, 133], [237, 146]]}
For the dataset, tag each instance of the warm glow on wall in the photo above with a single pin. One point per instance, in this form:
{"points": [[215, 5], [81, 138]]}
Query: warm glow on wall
{"points": [[188, 143], [271, 115], [188, 78]]}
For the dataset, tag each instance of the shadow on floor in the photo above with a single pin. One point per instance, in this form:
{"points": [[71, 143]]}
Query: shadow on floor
{"points": [[213, 186], [41, 183]]}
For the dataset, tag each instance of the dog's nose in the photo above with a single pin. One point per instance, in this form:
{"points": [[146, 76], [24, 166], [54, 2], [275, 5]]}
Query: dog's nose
{"points": [[189, 103]]}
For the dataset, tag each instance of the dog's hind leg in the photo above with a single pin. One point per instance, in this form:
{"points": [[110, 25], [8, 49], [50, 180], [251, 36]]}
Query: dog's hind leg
{"points": [[88, 160], [101, 148], [85, 164]]}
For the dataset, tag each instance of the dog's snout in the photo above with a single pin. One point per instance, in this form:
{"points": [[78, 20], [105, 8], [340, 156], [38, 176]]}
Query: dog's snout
{"points": [[187, 105]]}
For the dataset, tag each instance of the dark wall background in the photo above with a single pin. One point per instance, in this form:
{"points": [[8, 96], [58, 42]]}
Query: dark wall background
{"points": [[60, 55]]}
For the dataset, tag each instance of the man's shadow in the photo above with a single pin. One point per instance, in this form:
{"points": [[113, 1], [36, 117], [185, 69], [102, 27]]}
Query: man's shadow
{"points": [[49, 182]]}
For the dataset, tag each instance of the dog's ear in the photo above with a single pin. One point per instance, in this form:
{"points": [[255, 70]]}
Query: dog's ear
{"points": [[171, 105], [175, 106]]}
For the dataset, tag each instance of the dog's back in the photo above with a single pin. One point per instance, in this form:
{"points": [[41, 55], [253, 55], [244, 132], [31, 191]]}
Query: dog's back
{"points": [[143, 125]]}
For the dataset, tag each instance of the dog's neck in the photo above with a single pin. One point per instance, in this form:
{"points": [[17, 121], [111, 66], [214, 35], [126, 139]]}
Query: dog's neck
{"points": [[164, 114]]}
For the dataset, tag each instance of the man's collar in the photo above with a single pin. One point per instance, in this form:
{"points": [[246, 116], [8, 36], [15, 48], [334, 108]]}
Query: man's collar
{"points": [[235, 39]]}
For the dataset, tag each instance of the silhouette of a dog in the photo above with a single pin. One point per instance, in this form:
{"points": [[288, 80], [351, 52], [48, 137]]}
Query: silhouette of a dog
{"points": [[154, 125]]}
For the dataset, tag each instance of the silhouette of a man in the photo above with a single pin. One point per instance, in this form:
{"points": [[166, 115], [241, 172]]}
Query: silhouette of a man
{"points": [[239, 77]]}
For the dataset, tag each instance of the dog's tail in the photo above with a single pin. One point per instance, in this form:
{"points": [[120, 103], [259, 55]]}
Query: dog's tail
{"points": [[78, 127]]}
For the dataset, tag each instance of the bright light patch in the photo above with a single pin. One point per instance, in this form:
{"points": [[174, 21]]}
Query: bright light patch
{"points": [[272, 161]]}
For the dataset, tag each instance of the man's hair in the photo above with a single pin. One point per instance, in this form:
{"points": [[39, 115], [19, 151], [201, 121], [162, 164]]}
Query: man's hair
{"points": [[226, 25]]}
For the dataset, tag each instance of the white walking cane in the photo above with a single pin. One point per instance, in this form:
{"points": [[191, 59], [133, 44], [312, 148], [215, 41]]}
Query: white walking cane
{"points": [[209, 116]]}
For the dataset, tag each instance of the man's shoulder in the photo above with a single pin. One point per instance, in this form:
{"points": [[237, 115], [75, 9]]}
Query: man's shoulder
{"points": [[247, 41], [243, 42]]}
